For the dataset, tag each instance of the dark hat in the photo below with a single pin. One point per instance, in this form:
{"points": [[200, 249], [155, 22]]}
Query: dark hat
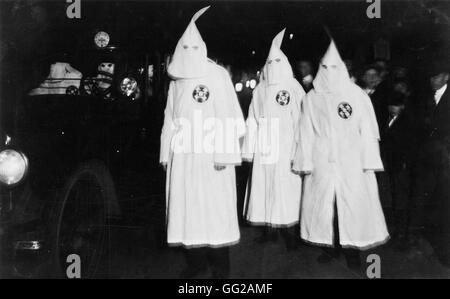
{"points": [[438, 65], [396, 99], [371, 67]]}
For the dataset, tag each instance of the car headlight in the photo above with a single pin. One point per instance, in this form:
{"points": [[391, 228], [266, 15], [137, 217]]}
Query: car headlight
{"points": [[238, 87], [13, 166], [128, 86]]}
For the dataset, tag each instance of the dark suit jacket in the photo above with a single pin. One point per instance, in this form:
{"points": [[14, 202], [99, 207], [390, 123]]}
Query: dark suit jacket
{"points": [[438, 117], [379, 100], [435, 128], [398, 142]]}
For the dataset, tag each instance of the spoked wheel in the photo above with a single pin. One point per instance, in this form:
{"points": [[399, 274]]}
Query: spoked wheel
{"points": [[82, 222]]}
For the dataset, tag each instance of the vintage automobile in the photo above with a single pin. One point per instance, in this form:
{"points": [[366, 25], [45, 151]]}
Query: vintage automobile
{"points": [[75, 164]]}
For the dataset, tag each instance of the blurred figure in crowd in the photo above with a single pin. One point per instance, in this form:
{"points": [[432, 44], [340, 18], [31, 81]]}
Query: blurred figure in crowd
{"points": [[400, 73], [305, 74], [274, 190], [383, 68], [397, 145], [402, 87], [371, 83], [434, 158]]}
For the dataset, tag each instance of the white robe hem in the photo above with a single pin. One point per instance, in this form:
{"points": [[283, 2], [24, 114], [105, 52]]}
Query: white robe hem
{"points": [[198, 244], [346, 244], [271, 224]]}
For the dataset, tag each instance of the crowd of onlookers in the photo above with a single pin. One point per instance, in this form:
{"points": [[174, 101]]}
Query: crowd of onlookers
{"points": [[414, 125]]}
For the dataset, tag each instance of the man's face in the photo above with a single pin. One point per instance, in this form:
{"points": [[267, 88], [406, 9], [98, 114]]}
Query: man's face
{"points": [[395, 109], [401, 87], [371, 78], [304, 68], [400, 73], [438, 81], [382, 65]]}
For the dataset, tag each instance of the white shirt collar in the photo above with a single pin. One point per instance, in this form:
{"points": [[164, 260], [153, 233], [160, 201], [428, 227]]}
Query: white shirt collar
{"points": [[369, 91], [438, 93]]}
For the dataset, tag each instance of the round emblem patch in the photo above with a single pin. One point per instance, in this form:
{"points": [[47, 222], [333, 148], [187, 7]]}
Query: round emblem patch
{"points": [[283, 97], [345, 110], [200, 93]]}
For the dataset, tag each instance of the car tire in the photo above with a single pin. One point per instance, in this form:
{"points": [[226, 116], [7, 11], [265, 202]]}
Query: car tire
{"points": [[94, 212]]}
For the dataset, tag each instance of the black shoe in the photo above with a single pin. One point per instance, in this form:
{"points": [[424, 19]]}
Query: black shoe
{"points": [[270, 236], [292, 243], [220, 274], [353, 261], [263, 238], [327, 256]]}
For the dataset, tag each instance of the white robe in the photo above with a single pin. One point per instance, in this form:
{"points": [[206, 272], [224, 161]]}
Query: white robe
{"points": [[201, 201], [274, 190], [339, 148]]}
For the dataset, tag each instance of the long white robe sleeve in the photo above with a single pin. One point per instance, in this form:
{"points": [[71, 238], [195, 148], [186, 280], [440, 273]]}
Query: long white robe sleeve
{"points": [[303, 161], [295, 114], [249, 145], [371, 159], [168, 129], [230, 125]]}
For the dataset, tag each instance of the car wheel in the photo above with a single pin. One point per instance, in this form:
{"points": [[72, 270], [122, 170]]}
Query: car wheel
{"points": [[72, 90], [82, 225]]}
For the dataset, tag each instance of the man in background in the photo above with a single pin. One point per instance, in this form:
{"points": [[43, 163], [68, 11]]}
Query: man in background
{"points": [[372, 85], [433, 159], [305, 74], [397, 145]]}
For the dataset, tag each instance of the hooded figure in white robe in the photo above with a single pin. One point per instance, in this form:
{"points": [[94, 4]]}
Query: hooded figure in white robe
{"points": [[339, 153], [200, 146], [274, 190]]}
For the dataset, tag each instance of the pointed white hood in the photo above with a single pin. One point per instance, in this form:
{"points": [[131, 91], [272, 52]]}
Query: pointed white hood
{"points": [[190, 57], [277, 68], [332, 75]]}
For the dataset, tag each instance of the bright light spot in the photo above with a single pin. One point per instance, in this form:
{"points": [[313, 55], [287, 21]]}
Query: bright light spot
{"points": [[253, 52], [247, 83], [291, 36], [238, 86], [252, 83], [128, 86], [13, 166]]}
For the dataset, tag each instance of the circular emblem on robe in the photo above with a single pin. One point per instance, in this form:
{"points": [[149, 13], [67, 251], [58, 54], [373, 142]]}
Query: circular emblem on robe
{"points": [[200, 93], [345, 110], [283, 97]]}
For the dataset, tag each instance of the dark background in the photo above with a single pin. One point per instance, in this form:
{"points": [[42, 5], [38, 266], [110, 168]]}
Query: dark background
{"points": [[33, 31], [36, 33]]}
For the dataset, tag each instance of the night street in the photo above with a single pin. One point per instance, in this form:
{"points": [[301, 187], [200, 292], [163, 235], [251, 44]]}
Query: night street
{"points": [[224, 139]]}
